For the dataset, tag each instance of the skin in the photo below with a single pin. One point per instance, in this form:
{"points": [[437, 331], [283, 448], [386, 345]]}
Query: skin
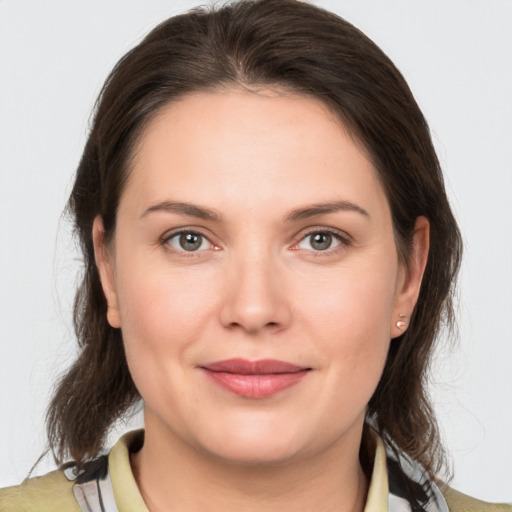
{"points": [[258, 287]]}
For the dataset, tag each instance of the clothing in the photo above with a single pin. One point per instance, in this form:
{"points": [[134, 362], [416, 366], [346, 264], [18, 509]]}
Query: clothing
{"points": [[107, 484]]}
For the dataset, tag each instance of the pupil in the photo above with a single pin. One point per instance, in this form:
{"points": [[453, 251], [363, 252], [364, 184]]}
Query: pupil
{"points": [[190, 241], [321, 241]]}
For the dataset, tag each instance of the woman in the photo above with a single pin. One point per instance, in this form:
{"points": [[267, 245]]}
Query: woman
{"points": [[269, 254]]}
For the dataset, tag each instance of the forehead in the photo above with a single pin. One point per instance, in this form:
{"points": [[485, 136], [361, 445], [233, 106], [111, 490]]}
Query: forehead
{"points": [[252, 149]]}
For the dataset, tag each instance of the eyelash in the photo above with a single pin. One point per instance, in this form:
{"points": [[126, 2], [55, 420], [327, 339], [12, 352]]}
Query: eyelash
{"points": [[165, 241], [343, 238]]}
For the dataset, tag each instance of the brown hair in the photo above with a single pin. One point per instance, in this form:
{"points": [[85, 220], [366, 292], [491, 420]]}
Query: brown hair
{"points": [[299, 47]]}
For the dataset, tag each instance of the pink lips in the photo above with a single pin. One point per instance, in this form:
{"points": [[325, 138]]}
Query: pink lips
{"points": [[254, 379]]}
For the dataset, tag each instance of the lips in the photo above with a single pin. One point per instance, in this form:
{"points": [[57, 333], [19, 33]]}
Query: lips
{"points": [[254, 379]]}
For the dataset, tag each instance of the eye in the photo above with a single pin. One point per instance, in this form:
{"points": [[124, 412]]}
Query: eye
{"points": [[188, 241], [320, 241]]}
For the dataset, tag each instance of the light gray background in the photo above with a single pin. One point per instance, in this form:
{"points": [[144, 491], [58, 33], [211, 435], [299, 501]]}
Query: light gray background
{"points": [[457, 57]]}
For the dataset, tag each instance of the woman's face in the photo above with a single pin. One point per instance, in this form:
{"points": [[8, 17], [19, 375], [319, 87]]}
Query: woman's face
{"points": [[255, 277]]}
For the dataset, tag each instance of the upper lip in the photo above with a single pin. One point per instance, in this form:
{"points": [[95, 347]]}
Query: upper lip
{"points": [[259, 367]]}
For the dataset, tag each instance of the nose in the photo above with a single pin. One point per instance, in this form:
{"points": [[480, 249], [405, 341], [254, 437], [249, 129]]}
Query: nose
{"points": [[255, 297]]}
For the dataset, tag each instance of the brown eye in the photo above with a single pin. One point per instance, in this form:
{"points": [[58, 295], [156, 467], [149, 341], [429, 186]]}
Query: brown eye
{"points": [[188, 241]]}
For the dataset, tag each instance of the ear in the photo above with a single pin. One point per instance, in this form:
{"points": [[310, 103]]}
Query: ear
{"points": [[103, 259], [409, 278]]}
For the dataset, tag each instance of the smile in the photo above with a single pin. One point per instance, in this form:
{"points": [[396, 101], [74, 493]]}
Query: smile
{"points": [[254, 379]]}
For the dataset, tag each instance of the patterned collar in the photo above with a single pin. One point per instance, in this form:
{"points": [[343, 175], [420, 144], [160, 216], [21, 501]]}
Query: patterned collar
{"points": [[107, 483]]}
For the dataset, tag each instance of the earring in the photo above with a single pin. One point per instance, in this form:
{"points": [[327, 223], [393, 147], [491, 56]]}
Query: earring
{"points": [[400, 324]]}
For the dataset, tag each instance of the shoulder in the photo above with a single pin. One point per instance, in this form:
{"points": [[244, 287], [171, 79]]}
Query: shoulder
{"points": [[90, 487], [459, 502], [47, 493], [411, 488]]}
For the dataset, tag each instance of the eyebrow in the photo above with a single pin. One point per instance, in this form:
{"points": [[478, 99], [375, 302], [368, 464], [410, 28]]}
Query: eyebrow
{"points": [[298, 214], [188, 209], [323, 208]]}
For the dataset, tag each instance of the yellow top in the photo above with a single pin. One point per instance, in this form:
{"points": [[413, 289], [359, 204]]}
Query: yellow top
{"points": [[54, 492]]}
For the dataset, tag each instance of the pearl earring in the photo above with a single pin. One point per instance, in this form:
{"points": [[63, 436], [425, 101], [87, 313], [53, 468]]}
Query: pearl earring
{"points": [[400, 324]]}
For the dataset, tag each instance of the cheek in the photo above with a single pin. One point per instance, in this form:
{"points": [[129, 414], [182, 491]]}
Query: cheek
{"points": [[356, 300], [163, 316], [162, 312], [349, 318]]}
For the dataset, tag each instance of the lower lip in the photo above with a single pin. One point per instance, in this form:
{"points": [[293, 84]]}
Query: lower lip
{"points": [[256, 386]]}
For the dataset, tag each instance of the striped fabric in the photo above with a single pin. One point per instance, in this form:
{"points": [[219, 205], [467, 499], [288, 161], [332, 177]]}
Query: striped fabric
{"points": [[397, 484]]}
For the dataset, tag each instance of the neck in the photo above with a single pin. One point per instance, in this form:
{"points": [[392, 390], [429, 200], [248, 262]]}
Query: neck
{"points": [[172, 476]]}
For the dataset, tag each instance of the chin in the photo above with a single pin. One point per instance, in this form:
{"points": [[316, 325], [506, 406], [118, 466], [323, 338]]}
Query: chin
{"points": [[255, 446], [256, 454]]}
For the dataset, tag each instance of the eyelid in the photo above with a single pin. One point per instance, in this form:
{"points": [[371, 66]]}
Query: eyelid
{"points": [[345, 239], [327, 229], [164, 239]]}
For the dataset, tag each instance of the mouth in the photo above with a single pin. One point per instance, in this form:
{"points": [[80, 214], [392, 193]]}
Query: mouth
{"points": [[254, 379]]}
